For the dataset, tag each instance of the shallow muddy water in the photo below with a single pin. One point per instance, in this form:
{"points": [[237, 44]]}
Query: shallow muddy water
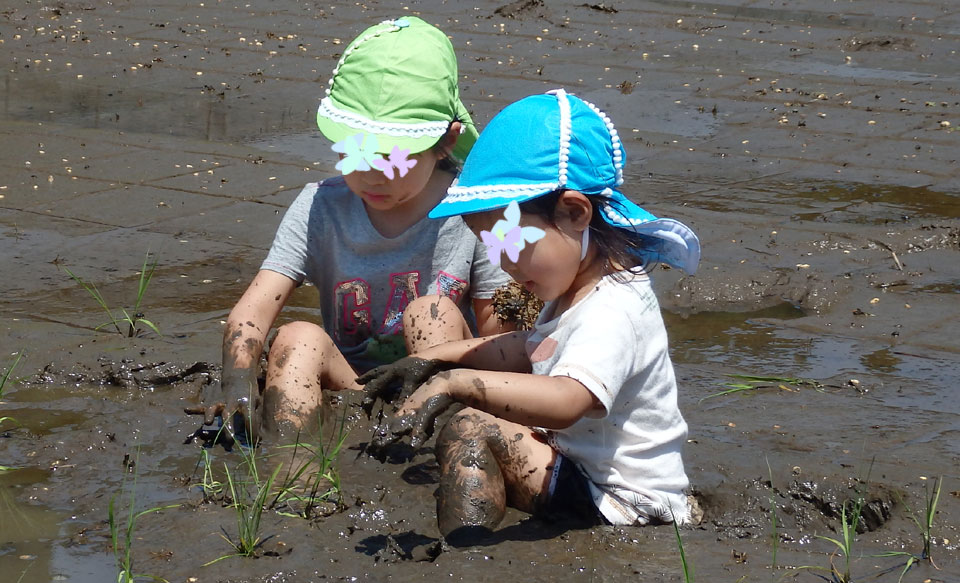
{"points": [[812, 146]]}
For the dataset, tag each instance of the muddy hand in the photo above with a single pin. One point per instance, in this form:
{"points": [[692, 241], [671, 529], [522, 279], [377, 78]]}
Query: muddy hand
{"points": [[238, 423], [400, 378], [209, 412], [418, 424], [239, 389], [209, 432]]}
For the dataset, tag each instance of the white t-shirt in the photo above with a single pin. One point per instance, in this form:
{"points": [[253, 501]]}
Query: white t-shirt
{"points": [[614, 342]]}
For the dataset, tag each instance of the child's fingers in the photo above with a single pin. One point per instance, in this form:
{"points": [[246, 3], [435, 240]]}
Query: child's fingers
{"points": [[209, 412], [372, 374]]}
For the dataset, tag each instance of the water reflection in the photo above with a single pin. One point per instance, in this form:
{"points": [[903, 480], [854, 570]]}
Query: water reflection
{"points": [[860, 204], [131, 106], [743, 339], [764, 343]]}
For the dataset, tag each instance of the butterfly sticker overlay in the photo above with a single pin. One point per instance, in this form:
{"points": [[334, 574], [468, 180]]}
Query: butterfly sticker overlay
{"points": [[398, 159], [507, 236], [360, 153]]}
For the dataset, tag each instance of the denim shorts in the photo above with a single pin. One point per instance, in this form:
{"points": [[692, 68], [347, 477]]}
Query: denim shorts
{"points": [[569, 496]]}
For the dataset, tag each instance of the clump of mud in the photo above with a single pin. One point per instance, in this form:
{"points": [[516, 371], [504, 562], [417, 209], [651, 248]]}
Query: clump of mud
{"points": [[513, 304], [129, 374], [522, 9]]}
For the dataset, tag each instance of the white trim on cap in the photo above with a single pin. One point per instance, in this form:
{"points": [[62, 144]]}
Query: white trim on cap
{"points": [[614, 140], [485, 192], [565, 131], [412, 130]]}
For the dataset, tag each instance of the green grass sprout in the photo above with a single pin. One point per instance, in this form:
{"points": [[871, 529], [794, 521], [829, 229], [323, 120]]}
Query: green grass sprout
{"points": [[320, 469], [924, 523], [248, 515], [848, 530], [754, 382], [684, 562], [931, 499], [8, 372], [132, 321], [850, 516], [122, 552], [211, 486], [3, 384]]}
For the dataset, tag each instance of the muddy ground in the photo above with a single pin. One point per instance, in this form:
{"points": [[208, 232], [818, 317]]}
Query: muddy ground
{"points": [[812, 145]]}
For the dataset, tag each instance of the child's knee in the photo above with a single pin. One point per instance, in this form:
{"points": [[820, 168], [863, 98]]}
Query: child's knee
{"points": [[300, 333], [303, 337], [456, 431], [427, 311], [468, 428]]}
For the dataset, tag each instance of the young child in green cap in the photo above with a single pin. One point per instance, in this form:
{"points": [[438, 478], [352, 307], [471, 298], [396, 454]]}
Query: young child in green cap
{"points": [[392, 111]]}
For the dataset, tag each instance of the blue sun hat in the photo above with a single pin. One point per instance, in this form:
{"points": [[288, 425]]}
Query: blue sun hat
{"points": [[543, 143]]}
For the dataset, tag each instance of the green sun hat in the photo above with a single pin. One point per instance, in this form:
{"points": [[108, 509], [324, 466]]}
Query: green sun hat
{"points": [[398, 81]]}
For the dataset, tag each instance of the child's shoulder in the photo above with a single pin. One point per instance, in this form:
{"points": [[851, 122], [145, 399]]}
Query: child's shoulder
{"points": [[628, 290], [329, 193], [333, 187]]}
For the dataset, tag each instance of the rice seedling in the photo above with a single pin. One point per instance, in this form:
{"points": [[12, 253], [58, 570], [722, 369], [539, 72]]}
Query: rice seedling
{"points": [[3, 384], [320, 469], [131, 321], [755, 382], [122, 552], [248, 515], [924, 523], [24, 573], [687, 566], [8, 372], [848, 530], [850, 515], [211, 486]]}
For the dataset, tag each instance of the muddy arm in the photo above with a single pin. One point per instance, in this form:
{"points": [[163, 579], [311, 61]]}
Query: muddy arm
{"points": [[531, 400], [244, 336], [502, 352]]}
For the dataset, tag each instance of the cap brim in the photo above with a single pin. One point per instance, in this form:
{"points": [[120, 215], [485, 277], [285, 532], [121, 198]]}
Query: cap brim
{"points": [[467, 200], [339, 131]]}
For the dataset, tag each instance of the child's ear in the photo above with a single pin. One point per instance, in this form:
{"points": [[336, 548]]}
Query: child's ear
{"points": [[577, 208], [449, 139]]}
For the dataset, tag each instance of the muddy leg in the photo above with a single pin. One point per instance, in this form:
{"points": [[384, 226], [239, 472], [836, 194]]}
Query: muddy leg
{"points": [[432, 320], [487, 463], [303, 358]]}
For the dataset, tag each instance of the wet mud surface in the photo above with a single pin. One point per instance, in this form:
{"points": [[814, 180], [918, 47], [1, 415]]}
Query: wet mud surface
{"points": [[812, 146]]}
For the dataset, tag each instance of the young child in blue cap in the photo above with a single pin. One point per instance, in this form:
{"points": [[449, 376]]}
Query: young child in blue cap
{"points": [[578, 415]]}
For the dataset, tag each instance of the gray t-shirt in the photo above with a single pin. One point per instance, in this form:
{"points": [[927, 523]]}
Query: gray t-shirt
{"points": [[366, 280]]}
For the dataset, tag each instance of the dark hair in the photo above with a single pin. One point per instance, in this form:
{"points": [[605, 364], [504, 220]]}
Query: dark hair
{"points": [[620, 248], [448, 163]]}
